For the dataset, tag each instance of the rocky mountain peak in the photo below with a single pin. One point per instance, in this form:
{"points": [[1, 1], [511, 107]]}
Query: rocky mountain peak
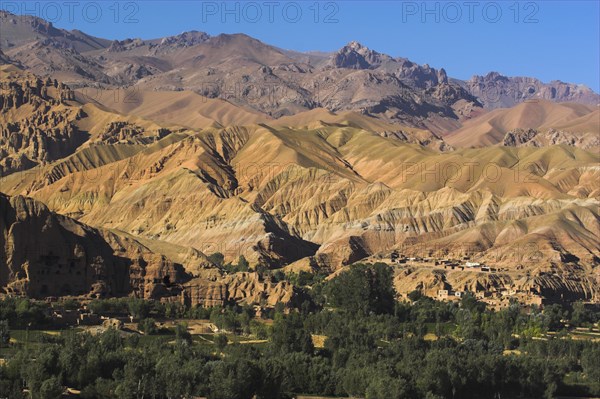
{"points": [[123, 45], [185, 39], [38, 26], [494, 76], [442, 76], [354, 45], [356, 56]]}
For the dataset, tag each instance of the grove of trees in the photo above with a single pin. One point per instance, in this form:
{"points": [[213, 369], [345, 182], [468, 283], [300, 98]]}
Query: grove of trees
{"points": [[375, 347]]}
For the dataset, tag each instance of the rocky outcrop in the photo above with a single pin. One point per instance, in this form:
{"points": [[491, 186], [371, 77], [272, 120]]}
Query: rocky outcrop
{"points": [[537, 138], [185, 39], [518, 137], [35, 127], [450, 94], [32, 90], [115, 132], [4, 59]]}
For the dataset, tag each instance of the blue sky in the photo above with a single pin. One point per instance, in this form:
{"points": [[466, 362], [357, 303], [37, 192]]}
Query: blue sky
{"points": [[545, 39]]}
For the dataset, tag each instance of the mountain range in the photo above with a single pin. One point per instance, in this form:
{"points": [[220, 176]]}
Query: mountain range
{"points": [[131, 162], [269, 80]]}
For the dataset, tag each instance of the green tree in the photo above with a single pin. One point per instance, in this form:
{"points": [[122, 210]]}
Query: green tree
{"points": [[137, 378], [468, 324], [271, 388], [139, 308], [590, 362], [581, 316], [415, 295], [470, 303], [221, 341], [383, 387], [148, 326], [51, 389], [182, 335], [290, 335], [71, 304], [259, 329], [178, 376], [234, 379], [242, 264], [4, 333], [35, 374], [553, 314], [363, 288], [217, 258]]}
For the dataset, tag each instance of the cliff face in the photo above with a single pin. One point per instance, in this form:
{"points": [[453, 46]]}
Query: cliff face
{"points": [[45, 254], [243, 288]]}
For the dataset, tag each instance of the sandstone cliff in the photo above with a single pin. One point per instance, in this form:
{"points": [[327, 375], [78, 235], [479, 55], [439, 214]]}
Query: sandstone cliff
{"points": [[45, 254]]}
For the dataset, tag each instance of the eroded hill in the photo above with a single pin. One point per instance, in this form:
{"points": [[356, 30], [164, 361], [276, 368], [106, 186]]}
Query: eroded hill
{"points": [[327, 196]]}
